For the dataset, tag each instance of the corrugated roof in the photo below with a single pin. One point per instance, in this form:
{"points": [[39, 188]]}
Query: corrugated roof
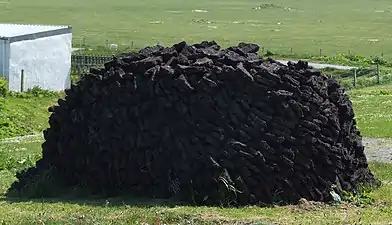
{"points": [[12, 30]]}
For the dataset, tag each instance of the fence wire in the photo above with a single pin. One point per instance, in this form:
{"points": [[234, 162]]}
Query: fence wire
{"points": [[83, 63]]}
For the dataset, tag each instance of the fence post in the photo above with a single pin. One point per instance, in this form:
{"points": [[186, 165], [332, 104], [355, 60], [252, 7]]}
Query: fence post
{"points": [[355, 78], [378, 73], [80, 45], [21, 80], [321, 52], [291, 51]]}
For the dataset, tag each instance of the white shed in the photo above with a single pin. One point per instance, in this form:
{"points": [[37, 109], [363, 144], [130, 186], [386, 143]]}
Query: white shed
{"points": [[42, 52]]}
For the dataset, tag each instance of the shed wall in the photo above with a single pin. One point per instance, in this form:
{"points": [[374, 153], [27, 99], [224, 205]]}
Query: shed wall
{"points": [[4, 58], [46, 63]]}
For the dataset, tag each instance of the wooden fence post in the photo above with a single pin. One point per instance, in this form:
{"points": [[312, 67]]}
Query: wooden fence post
{"points": [[321, 52]]}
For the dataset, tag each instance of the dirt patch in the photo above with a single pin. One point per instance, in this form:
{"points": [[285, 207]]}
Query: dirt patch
{"points": [[378, 149]]}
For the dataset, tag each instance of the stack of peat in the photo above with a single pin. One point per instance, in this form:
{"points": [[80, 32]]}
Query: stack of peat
{"points": [[206, 125]]}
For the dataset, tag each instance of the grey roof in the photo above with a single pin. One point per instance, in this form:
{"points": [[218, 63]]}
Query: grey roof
{"points": [[21, 32]]}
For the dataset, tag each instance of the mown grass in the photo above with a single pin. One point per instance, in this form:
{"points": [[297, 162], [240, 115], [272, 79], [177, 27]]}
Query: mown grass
{"points": [[373, 110], [385, 87], [304, 25]]}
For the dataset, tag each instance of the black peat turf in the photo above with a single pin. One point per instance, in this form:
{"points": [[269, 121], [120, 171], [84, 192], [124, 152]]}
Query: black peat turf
{"points": [[206, 125]]}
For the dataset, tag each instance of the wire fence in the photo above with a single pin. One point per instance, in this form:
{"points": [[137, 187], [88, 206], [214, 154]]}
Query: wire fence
{"points": [[371, 48], [82, 63], [352, 77]]}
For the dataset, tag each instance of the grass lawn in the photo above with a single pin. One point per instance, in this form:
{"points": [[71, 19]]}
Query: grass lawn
{"points": [[374, 114], [304, 25], [23, 116], [387, 87], [373, 110], [19, 152]]}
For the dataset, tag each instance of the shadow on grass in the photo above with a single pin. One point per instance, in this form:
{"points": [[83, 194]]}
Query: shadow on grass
{"points": [[100, 201], [37, 186], [119, 200], [51, 192], [44, 186]]}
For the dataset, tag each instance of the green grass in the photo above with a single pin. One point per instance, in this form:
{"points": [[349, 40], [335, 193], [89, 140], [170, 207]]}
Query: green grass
{"points": [[23, 116], [366, 77], [373, 110], [334, 26], [374, 114], [20, 152], [127, 210], [387, 87]]}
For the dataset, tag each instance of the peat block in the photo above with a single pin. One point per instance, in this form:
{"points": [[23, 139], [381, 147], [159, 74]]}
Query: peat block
{"points": [[206, 125]]}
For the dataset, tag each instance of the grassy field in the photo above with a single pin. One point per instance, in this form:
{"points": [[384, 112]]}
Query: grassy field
{"points": [[374, 114], [304, 25], [24, 116], [387, 87]]}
